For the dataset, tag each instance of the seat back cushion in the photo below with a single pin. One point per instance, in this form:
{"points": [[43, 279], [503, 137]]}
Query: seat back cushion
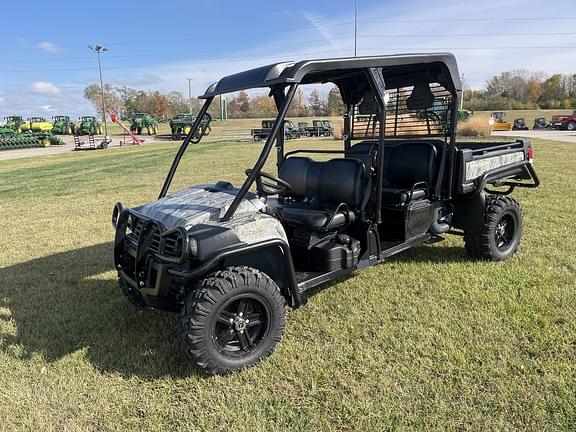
{"points": [[409, 163], [332, 182]]}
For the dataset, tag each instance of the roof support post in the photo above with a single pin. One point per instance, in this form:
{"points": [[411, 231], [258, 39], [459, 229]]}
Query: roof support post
{"points": [[277, 128], [279, 97], [183, 147]]}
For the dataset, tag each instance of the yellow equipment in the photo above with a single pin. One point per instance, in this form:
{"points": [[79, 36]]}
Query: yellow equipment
{"points": [[500, 124], [37, 124]]}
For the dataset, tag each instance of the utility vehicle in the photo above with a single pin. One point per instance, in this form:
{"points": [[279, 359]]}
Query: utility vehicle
{"points": [[229, 258], [319, 128], [519, 124], [290, 130], [541, 123]]}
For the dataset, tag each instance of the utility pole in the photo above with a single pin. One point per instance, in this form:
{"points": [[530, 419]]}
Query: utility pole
{"points": [[355, 27], [190, 93], [98, 49]]}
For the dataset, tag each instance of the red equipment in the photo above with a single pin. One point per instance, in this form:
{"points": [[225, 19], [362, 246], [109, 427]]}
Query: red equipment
{"points": [[134, 138]]}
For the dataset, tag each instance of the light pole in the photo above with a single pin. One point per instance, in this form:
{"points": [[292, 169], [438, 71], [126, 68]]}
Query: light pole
{"points": [[190, 93], [355, 26], [98, 49]]}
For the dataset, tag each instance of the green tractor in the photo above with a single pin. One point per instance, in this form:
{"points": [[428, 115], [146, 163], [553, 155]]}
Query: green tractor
{"points": [[89, 126], [464, 114], [63, 125], [141, 121], [14, 123], [181, 124], [37, 124]]}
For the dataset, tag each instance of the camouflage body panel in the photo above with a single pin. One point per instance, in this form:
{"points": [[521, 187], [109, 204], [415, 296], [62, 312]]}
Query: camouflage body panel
{"points": [[206, 204], [477, 168]]}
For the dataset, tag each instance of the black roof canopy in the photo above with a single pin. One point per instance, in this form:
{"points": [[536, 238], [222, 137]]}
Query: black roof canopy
{"points": [[398, 70]]}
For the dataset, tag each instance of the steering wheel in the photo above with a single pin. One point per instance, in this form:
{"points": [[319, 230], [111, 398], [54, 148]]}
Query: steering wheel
{"points": [[266, 188]]}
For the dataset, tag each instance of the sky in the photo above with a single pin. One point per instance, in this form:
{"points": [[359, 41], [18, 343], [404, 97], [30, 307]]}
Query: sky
{"points": [[46, 63]]}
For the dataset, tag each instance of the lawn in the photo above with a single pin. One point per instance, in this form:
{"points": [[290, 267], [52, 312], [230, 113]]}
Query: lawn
{"points": [[427, 341]]}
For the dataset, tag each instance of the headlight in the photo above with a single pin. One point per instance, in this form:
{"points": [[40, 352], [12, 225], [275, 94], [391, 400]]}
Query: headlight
{"points": [[192, 246]]}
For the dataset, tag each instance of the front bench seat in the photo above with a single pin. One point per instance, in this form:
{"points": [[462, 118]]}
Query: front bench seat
{"points": [[327, 193]]}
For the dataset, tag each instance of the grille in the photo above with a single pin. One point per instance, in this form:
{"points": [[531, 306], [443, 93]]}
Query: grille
{"points": [[403, 122], [168, 246]]}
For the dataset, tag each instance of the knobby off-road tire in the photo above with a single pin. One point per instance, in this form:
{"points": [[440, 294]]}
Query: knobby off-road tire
{"points": [[232, 319], [501, 230]]}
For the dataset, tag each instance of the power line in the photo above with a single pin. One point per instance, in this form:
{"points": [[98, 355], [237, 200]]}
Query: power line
{"points": [[298, 54]]}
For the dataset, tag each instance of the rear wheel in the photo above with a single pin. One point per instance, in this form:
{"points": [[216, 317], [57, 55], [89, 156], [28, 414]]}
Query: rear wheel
{"points": [[232, 319], [500, 233], [571, 126]]}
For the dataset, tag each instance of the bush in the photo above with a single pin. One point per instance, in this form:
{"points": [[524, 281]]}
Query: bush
{"points": [[474, 127]]}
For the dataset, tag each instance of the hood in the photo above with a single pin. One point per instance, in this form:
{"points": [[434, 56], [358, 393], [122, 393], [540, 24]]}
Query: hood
{"points": [[203, 204]]}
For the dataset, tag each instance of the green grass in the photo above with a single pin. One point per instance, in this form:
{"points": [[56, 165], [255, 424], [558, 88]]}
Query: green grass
{"points": [[427, 341]]}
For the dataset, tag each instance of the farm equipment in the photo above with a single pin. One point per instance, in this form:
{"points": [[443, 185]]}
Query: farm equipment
{"points": [[134, 139], [89, 126], [37, 124], [28, 139], [230, 258], [141, 121], [181, 125], [500, 123], [541, 123], [464, 114], [63, 125], [14, 123]]}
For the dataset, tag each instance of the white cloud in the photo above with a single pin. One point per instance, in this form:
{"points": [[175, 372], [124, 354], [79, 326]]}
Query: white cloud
{"points": [[45, 87], [49, 47], [48, 108]]}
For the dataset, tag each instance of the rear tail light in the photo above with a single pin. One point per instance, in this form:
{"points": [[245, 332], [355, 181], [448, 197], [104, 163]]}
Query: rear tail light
{"points": [[530, 154]]}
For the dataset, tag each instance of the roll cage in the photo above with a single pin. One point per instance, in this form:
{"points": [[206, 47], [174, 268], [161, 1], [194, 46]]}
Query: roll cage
{"points": [[386, 97]]}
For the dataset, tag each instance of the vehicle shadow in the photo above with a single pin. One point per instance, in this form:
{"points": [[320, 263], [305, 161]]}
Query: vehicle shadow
{"points": [[69, 302]]}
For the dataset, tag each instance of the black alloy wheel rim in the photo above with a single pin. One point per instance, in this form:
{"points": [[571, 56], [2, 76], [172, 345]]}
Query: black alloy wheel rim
{"points": [[241, 325], [504, 232]]}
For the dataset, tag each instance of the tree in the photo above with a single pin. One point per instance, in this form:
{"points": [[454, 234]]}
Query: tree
{"points": [[335, 103], [239, 105], [112, 100], [316, 103], [298, 106]]}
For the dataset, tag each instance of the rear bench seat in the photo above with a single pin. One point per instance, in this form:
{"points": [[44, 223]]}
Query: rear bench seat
{"points": [[328, 194], [409, 168]]}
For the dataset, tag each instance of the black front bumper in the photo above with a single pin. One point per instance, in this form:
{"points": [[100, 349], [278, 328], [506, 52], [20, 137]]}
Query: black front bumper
{"points": [[140, 264]]}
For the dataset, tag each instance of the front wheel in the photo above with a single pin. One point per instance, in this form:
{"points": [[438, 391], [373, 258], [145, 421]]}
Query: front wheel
{"points": [[232, 320], [500, 233], [571, 126]]}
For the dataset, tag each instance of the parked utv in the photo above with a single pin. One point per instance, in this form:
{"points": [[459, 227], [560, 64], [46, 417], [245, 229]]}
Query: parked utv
{"points": [[229, 259], [541, 123], [319, 128], [290, 130], [519, 124]]}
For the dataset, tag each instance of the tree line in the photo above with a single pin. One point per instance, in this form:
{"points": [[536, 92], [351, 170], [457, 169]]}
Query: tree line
{"points": [[522, 89], [124, 101]]}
